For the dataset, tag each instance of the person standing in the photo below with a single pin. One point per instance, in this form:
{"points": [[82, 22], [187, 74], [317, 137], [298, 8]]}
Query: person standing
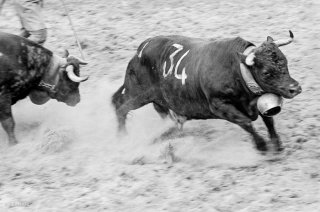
{"points": [[32, 23], [33, 26]]}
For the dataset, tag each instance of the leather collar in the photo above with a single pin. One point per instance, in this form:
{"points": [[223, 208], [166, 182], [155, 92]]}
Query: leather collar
{"points": [[50, 79], [250, 82], [47, 86]]}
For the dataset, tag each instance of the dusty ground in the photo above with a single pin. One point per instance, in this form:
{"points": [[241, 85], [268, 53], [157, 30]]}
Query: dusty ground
{"points": [[86, 167]]}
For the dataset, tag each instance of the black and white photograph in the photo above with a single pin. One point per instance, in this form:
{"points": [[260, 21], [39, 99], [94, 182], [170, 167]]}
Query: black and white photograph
{"points": [[159, 105]]}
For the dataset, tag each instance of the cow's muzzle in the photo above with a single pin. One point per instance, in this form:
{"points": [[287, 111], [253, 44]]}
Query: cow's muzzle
{"points": [[72, 100], [72, 103], [292, 90]]}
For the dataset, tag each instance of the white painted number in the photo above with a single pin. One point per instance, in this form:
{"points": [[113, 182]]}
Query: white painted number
{"points": [[179, 48], [183, 75], [140, 54]]}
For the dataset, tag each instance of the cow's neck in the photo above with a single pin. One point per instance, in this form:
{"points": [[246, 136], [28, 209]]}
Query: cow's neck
{"points": [[51, 76], [247, 77], [47, 87]]}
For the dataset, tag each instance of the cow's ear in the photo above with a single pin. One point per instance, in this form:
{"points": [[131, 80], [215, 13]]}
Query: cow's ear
{"points": [[269, 39], [65, 53], [242, 57]]}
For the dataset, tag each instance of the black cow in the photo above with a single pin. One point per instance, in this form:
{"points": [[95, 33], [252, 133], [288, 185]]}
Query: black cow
{"points": [[28, 69], [191, 78]]}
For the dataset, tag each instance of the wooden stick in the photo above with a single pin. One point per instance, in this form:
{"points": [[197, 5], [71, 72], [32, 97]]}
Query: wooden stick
{"points": [[73, 29]]}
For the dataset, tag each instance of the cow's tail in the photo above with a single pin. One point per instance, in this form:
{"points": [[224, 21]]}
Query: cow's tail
{"points": [[117, 97]]}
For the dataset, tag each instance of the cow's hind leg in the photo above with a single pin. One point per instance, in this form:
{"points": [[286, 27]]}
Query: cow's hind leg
{"points": [[175, 131], [179, 120], [124, 102], [162, 111], [118, 100], [6, 119]]}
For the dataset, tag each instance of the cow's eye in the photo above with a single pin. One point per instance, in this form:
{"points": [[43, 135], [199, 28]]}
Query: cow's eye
{"points": [[266, 73]]}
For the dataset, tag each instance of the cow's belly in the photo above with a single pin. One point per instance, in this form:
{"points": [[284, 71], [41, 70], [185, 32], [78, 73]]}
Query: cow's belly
{"points": [[192, 111], [185, 105]]}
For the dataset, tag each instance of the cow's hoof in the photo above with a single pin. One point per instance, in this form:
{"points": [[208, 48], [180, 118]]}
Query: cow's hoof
{"points": [[156, 140], [13, 143], [122, 132], [262, 147], [276, 145], [280, 149]]}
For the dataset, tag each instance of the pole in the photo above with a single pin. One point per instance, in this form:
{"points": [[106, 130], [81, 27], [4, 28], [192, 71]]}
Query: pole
{"points": [[73, 29]]}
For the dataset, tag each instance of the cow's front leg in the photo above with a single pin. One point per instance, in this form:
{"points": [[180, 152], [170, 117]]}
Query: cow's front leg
{"points": [[8, 126], [6, 118], [230, 113], [269, 122]]}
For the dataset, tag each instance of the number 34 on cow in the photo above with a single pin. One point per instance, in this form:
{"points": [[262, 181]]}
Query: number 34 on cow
{"points": [[183, 75]]}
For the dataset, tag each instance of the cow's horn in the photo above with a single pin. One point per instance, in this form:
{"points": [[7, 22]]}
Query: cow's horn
{"points": [[285, 41], [73, 77], [249, 59], [81, 62]]}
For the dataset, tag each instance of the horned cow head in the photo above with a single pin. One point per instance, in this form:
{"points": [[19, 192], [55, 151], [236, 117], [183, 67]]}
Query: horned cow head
{"points": [[269, 67], [73, 68], [69, 80]]}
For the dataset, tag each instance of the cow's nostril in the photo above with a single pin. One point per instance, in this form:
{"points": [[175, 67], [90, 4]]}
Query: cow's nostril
{"points": [[292, 91], [295, 90]]}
